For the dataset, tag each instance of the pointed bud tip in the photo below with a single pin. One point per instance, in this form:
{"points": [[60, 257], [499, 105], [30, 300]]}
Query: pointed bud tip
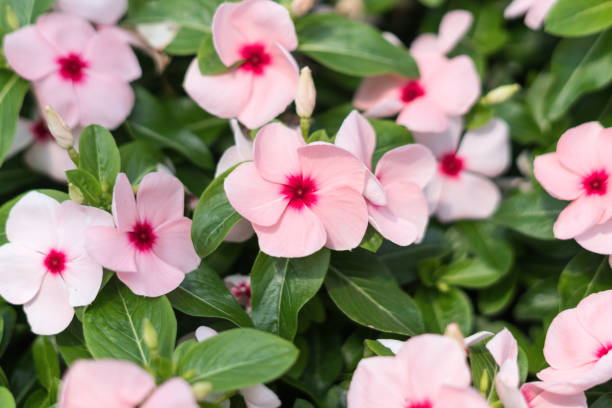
{"points": [[58, 128], [500, 94], [202, 390], [306, 94], [149, 334]]}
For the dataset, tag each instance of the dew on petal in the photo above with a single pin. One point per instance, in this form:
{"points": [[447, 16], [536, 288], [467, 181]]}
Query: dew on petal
{"points": [[55, 261], [300, 191], [255, 58], [142, 236], [596, 183], [72, 67]]}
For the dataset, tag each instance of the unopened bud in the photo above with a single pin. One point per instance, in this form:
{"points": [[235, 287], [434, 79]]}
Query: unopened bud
{"points": [[75, 194], [158, 35], [11, 18], [149, 334], [306, 94], [454, 332], [484, 382], [353, 9], [500, 94], [58, 129], [301, 7], [202, 390]]}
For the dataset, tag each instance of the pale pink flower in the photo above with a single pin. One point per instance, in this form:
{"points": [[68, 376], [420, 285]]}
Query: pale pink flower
{"points": [[394, 192], [428, 371], [578, 342], [44, 266], [150, 248], [96, 11], [240, 287], [535, 10], [120, 384], [83, 74], [453, 27], [579, 171], [260, 33], [256, 396], [299, 197], [396, 345], [461, 188]]}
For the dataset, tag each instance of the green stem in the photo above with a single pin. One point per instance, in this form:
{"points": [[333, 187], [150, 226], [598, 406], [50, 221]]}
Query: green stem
{"points": [[305, 126]]}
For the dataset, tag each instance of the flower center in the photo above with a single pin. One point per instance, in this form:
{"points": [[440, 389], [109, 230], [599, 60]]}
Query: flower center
{"points": [[596, 183], [411, 91], [300, 191], [71, 67], [142, 236], [603, 350], [41, 131], [255, 58], [242, 293], [451, 165], [55, 261], [422, 404]]}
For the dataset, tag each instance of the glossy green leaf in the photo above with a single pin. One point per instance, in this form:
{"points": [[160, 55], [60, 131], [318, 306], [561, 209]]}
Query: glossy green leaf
{"points": [[12, 92], [439, 309], [389, 135], [193, 14], [324, 365], [575, 18], [484, 368], [45, 361], [377, 348], [139, 158], [99, 156], [71, 343], [604, 401], [6, 398], [540, 302], [498, 297], [586, 273], [87, 184]]}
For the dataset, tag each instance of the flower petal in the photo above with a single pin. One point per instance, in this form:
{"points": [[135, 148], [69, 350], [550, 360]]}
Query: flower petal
{"points": [[101, 12], [517, 8], [29, 54], [423, 115], [457, 397], [591, 312], [486, 150], [357, 136], [276, 152], [124, 204], [468, 197], [204, 332], [374, 90], [174, 246], [32, 222], [260, 396], [160, 199], [543, 395], [73, 220], [443, 142], [83, 278], [23, 137], [556, 179], [174, 393], [49, 312], [331, 167], [109, 55], [577, 148], [68, 33], [578, 217], [111, 248], [378, 382], [58, 93], [597, 239], [455, 87], [153, 277], [407, 164], [240, 232], [21, 272], [50, 159], [537, 13], [454, 25]]}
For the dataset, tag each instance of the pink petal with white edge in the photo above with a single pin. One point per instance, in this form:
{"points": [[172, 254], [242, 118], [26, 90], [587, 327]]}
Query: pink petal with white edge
{"points": [[29, 54], [486, 150], [160, 199], [379, 382], [517, 8], [591, 313], [469, 197], [597, 239], [32, 222], [256, 199], [21, 273], [240, 232], [174, 246], [357, 136], [83, 278], [331, 167], [153, 278], [49, 312], [95, 384], [543, 395], [298, 233], [109, 55], [556, 179], [124, 204], [69, 34], [581, 378], [444, 142], [579, 216], [73, 220], [204, 332], [407, 164], [260, 396], [58, 93], [50, 159], [276, 152], [458, 397], [111, 248], [578, 148], [454, 25], [455, 87], [537, 13], [97, 11], [423, 115], [272, 91], [174, 393], [344, 214], [375, 90]]}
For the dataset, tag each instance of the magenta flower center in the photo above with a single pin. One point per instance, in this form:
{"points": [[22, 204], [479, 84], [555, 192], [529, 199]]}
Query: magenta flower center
{"points": [[242, 289], [603, 350], [142, 236], [255, 58], [411, 91], [72, 67], [41, 131], [300, 191], [451, 165], [596, 183], [423, 404], [55, 261]]}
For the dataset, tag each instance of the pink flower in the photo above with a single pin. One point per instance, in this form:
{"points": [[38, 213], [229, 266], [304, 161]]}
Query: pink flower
{"points": [[81, 73], [396, 205], [151, 248], [461, 188], [240, 287], [428, 371], [120, 384], [536, 11], [454, 25], [299, 198], [259, 34], [578, 342], [44, 266], [96, 11], [579, 171]]}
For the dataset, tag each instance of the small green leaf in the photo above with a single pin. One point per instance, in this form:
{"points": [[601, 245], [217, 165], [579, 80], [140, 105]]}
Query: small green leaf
{"points": [[12, 92], [586, 273], [575, 18], [87, 184], [377, 348], [46, 362], [442, 308], [71, 343], [6, 398], [99, 156], [208, 59]]}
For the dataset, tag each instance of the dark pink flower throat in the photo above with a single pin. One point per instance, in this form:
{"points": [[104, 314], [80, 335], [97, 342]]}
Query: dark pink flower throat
{"points": [[55, 262], [255, 58], [72, 67], [596, 183], [411, 91], [41, 131], [142, 236], [603, 350], [300, 191], [451, 165], [423, 404]]}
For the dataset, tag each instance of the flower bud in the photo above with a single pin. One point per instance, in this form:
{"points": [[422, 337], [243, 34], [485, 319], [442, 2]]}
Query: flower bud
{"points": [[306, 94], [58, 129], [353, 9], [500, 94], [301, 7], [202, 390], [149, 334], [454, 332], [11, 18], [75, 194]]}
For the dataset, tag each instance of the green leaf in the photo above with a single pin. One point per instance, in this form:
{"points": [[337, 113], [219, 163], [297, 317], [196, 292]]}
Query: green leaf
{"points": [[586, 273], [9, 318], [6, 398], [377, 348], [237, 359], [12, 92], [213, 217], [99, 156], [112, 325], [372, 240], [26, 11], [89, 186], [352, 47], [71, 343], [362, 287], [540, 302], [193, 14], [139, 158], [604, 401], [46, 362], [484, 369], [203, 294], [575, 18], [282, 286], [431, 3], [208, 59], [498, 297], [325, 362], [442, 308], [389, 135]]}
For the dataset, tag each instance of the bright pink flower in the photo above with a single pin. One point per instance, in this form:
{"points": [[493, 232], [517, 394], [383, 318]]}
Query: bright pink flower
{"points": [[120, 384], [536, 11], [579, 171], [428, 371], [299, 198], [151, 248], [96, 11], [44, 266], [259, 34], [81, 73], [454, 25], [578, 343], [461, 188], [394, 192]]}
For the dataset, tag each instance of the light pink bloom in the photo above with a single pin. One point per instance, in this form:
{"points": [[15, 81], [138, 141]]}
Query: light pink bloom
{"points": [[428, 371], [461, 188], [44, 266], [151, 248], [579, 171], [454, 25], [240, 287], [299, 198], [256, 396], [535, 10], [394, 192], [81, 73], [120, 384], [260, 33], [96, 11]]}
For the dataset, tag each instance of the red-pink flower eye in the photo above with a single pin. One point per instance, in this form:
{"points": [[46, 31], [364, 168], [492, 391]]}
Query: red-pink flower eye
{"points": [[603, 350], [451, 165], [142, 236], [411, 91], [55, 261], [596, 183], [255, 58], [422, 404], [72, 67], [242, 289], [300, 191], [41, 131]]}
